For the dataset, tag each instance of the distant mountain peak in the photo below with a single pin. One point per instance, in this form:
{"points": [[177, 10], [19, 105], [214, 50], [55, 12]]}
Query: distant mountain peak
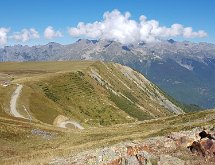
{"points": [[53, 43], [125, 48], [141, 43], [86, 41], [171, 41]]}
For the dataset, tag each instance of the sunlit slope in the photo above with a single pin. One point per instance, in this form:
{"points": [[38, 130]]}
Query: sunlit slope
{"points": [[92, 93]]}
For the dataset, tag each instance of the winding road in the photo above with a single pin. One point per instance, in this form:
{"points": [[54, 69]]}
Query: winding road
{"points": [[13, 102], [15, 113]]}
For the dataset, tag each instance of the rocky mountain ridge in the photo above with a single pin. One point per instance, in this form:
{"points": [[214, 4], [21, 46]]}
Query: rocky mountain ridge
{"points": [[88, 49]]}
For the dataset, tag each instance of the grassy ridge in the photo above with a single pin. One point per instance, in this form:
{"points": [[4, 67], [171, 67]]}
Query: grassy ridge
{"points": [[145, 96], [67, 88], [43, 67], [79, 99]]}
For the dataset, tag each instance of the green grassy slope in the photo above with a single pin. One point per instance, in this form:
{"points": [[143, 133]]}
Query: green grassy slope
{"points": [[90, 92]]}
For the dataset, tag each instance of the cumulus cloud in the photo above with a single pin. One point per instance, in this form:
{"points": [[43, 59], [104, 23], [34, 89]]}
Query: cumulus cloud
{"points": [[50, 33], [120, 27], [25, 35], [3, 35]]}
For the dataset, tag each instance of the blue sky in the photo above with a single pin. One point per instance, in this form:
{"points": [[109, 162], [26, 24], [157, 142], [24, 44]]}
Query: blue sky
{"points": [[64, 14]]}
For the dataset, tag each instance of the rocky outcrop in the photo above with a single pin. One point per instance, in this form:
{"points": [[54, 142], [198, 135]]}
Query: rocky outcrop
{"points": [[163, 150], [205, 146], [120, 154]]}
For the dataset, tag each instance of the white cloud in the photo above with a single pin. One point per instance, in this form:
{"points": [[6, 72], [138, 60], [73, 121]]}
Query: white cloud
{"points": [[119, 27], [25, 35], [3, 35], [189, 33], [50, 33]]}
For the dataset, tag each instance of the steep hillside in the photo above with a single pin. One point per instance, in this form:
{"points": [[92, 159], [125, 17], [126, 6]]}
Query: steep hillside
{"points": [[91, 93]]}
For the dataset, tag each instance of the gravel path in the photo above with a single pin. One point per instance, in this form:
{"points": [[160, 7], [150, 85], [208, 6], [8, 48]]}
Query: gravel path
{"points": [[13, 102]]}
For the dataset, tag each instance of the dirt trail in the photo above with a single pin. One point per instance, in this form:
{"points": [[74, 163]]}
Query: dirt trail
{"points": [[13, 102]]}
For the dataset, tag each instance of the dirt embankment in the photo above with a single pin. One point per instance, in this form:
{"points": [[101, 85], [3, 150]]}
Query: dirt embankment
{"points": [[63, 122]]}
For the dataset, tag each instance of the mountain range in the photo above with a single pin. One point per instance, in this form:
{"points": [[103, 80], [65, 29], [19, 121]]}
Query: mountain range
{"points": [[185, 70]]}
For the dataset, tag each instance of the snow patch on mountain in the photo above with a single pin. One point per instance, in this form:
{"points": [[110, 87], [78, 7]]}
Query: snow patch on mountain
{"points": [[186, 66]]}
